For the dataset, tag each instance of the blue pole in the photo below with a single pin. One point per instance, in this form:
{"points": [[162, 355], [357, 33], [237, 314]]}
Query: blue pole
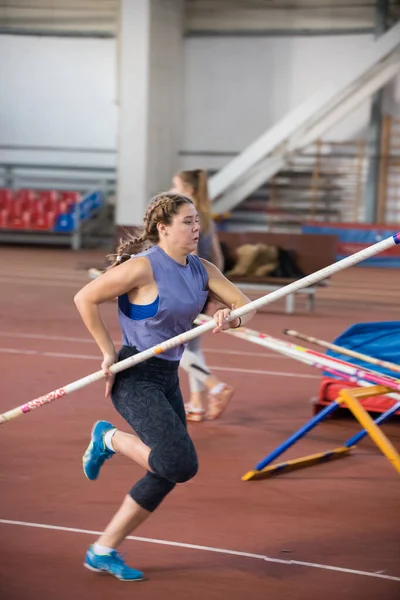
{"points": [[298, 435], [361, 434]]}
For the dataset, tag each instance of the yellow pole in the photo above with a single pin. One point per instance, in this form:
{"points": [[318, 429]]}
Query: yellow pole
{"points": [[349, 397]]}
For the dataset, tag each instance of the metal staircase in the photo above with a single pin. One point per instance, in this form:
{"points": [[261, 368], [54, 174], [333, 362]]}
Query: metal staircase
{"points": [[278, 150], [325, 183]]}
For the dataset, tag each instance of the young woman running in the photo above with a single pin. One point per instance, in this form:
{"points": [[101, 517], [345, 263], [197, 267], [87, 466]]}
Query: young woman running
{"points": [[160, 292]]}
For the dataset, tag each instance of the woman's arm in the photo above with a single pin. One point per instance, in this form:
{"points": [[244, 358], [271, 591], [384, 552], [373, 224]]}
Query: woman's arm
{"points": [[113, 283], [223, 290]]}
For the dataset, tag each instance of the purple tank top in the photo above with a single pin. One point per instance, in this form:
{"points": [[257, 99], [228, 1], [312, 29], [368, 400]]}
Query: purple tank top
{"points": [[182, 293]]}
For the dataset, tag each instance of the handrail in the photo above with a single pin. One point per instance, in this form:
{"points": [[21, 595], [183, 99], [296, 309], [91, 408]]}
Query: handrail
{"points": [[44, 166], [304, 116], [66, 149]]}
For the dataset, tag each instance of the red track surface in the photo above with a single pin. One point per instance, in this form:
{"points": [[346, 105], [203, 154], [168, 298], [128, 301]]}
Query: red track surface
{"points": [[343, 514]]}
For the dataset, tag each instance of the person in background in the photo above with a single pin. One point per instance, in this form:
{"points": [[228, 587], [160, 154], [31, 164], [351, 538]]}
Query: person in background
{"points": [[206, 389]]}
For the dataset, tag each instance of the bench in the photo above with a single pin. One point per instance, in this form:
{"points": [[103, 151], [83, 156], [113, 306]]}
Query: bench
{"points": [[311, 252]]}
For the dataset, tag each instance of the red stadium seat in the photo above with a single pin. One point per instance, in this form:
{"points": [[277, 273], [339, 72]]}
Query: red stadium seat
{"points": [[25, 196], [6, 197], [39, 221], [43, 221], [17, 207], [27, 219], [16, 223], [37, 206], [4, 218], [63, 207], [71, 197], [51, 219], [49, 197]]}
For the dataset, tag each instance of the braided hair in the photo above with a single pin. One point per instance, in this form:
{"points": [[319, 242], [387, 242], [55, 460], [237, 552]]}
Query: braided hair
{"points": [[161, 209]]}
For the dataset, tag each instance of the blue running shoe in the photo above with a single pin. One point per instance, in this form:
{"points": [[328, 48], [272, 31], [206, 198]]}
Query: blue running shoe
{"points": [[96, 453], [113, 564]]}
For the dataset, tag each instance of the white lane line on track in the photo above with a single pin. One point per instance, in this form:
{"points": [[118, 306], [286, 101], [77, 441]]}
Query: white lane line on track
{"points": [[81, 340], [95, 357], [51, 282], [210, 549], [43, 336], [257, 372]]}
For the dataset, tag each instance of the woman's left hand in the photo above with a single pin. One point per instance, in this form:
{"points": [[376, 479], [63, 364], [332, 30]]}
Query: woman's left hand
{"points": [[220, 319]]}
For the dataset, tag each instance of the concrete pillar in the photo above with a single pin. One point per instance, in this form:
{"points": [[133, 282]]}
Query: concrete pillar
{"points": [[375, 127], [150, 98]]}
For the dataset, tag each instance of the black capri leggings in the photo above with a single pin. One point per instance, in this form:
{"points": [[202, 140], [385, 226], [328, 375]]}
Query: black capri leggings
{"points": [[148, 397]]}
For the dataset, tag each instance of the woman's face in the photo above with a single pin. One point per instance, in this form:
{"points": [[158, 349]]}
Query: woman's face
{"points": [[182, 234], [180, 187]]}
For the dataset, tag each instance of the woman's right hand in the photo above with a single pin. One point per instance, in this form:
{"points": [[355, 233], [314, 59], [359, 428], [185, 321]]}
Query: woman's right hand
{"points": [[109, 359]]}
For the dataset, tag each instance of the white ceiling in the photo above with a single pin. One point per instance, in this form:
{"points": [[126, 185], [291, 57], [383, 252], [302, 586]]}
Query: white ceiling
{"points": [[100, 17]]}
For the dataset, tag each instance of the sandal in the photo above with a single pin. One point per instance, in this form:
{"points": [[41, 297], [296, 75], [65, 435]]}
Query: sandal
{"points": [[194, 414], [217, 403]]}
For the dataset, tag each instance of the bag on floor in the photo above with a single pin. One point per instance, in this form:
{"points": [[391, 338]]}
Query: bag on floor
{"points": [[380, 340]]}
